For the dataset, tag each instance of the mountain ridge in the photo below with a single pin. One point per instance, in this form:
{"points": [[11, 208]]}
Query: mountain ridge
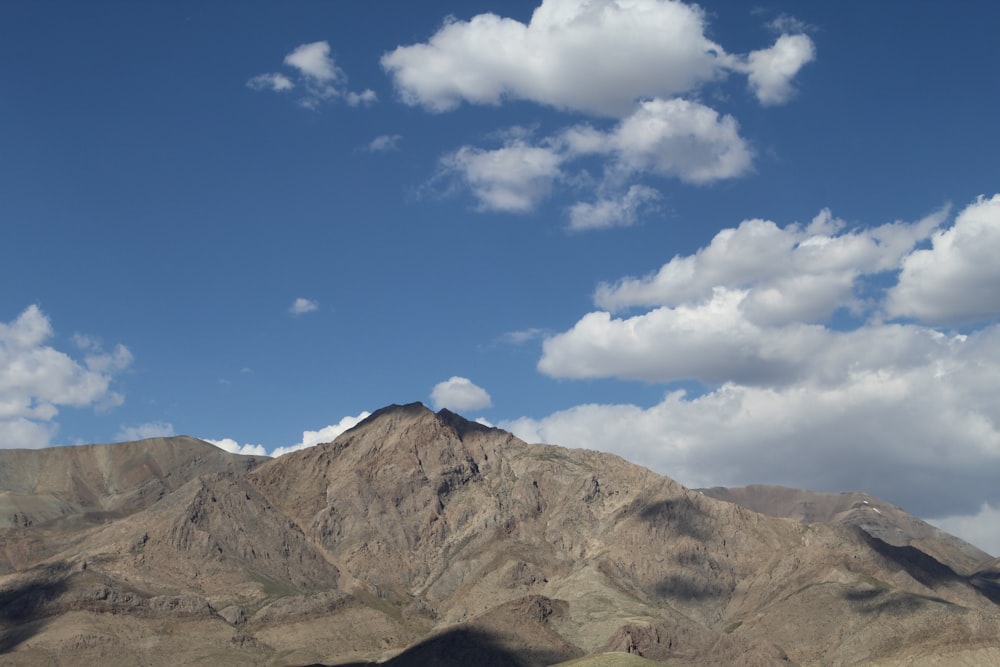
{"points": [[418, 537]]}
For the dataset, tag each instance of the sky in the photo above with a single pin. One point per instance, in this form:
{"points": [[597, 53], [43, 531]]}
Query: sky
{"points": [[735, 243]]}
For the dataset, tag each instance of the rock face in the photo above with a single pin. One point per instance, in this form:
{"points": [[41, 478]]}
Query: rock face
{"points": [[425, 539]]}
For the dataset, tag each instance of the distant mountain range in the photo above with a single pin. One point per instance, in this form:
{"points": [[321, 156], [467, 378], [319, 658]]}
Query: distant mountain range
{"points": [[421, 538]]}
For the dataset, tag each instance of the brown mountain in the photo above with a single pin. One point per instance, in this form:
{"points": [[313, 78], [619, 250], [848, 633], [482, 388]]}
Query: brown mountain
{"points": [[424, 539], [874, 516]]}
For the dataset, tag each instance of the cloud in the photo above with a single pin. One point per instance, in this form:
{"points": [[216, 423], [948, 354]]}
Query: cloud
{"points": [[957, 280], [313, 61], [674, 138], [384, 143], [234, 447], [770, 71], [317, 74], [36, 379], [613, 212], [309, 439], [979, 528], [365, 98], [143, 431], [323, 435], [270, 81], [803, 380], [301, 306], [458, 393], [666, 138], [594, 57], [513, 179], [642, 63], [522, 336], [792, 274]]}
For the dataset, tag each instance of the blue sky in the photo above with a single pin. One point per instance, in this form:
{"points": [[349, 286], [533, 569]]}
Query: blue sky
{"points": [[248, 221]]}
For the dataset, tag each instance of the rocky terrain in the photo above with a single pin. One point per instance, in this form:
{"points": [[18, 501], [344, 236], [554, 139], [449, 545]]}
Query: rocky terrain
{"points": [[418, 538]]}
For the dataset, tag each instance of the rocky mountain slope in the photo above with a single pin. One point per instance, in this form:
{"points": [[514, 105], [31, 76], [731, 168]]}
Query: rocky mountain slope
{"points": [[876, 517], [424, 539]]}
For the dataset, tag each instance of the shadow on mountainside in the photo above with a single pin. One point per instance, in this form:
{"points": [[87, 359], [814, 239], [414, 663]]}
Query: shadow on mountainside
{"points": [[678, 515], [23, 607], [930, 572], [460, 648]]}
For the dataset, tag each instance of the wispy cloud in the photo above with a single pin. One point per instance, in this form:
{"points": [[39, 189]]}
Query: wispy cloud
{"points": [[302, 306], [143, 431], [384, 143], [316, 75]]}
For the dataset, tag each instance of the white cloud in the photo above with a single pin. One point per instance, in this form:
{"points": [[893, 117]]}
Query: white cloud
{"points": [[323, 435], [672, 138], [613, 212], [512, 179], [234, 447], [957, 280], [981, 528], [460, 394], [24, 433], [317, 75], [770, 71], [643, 62], [313, 61], [143, 431], [792, 394], [36, 379], [595, 57], [667, 138], [301, 306], [309, 439], [384, 143], [793, 273], [923, 436]]}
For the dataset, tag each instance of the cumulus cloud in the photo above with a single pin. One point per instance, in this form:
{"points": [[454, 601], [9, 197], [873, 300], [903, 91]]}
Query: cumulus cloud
{"points": [[36, 379], [770, 71], [143, 431], [323, 435], [309, 439], [792, 274], [302, 306], [234, 447], [879, 430], [594, 57], [316, 74], [641, 63], [666, 138], [957, 280], [511, 179], [803, 379], [459, 393], [674, 138]]}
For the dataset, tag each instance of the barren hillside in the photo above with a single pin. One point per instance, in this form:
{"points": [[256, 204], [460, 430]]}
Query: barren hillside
{"points": [[423, 538]]}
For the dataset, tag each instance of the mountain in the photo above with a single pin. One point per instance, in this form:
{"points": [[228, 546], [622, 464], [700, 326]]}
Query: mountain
{"points": [[420, 538], [874, 516]]}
